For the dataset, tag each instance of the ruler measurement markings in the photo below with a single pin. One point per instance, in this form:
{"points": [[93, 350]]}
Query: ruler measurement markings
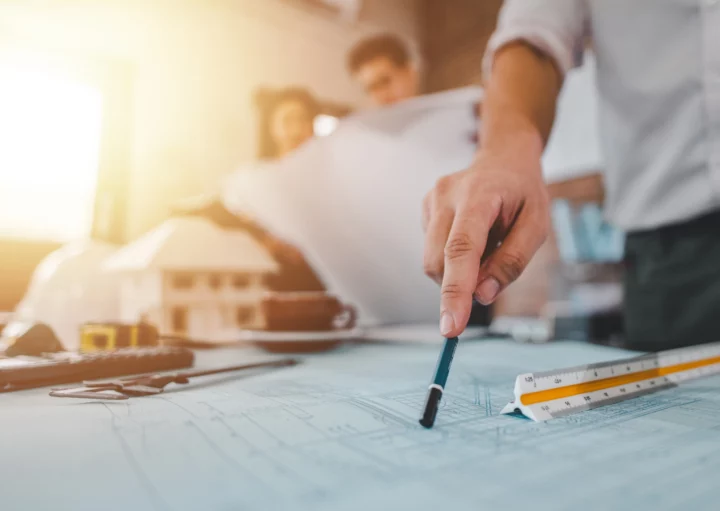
{"points": [[549, 394], [628, 378]]}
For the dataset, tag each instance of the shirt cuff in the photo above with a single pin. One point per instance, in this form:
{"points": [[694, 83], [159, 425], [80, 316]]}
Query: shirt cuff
{"points": [[544, 40]]}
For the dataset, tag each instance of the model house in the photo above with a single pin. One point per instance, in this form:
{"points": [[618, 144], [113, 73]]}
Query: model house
{"points": [[192, 278]]}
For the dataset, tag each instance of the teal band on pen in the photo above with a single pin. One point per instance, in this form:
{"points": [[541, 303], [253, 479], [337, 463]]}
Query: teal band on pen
{"points": [[443, 367]]}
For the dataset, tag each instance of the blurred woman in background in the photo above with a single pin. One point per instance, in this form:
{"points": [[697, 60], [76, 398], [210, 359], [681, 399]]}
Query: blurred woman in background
{"points": [[286, 120], [285, 123]]}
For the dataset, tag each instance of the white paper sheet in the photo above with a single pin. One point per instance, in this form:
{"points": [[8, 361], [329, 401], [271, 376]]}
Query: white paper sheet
{"points": [[339, 432], [352, 201]]}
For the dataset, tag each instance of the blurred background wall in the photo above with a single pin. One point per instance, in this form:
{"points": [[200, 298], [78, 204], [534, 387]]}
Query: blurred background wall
{"points": [[453, 35], [195, 65], [178, 79]]}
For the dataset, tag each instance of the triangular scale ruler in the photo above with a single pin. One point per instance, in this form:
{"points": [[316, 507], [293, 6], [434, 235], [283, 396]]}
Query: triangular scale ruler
{"points": [[551, 394]]}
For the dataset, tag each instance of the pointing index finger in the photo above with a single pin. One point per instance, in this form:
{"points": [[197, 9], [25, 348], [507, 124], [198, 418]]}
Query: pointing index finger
{"points": [[463, 252]]}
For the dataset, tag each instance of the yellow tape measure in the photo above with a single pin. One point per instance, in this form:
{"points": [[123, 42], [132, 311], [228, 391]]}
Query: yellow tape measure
{"points": [[551, 394], [112, 336]]}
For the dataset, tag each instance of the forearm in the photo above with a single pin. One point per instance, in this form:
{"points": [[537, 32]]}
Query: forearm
{"points": [[519, 105]]}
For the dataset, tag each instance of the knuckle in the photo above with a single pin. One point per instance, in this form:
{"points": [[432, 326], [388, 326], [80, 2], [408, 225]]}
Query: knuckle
{"points": [[544, 195], [541, 227], [427, 201], [459, 245], [425, 217], [451, 291], [543, 233], [512, 265], [443, 185], [433, 266]]}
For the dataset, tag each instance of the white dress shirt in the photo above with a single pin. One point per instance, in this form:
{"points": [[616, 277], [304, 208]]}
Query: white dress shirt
{"points": [[658, 79]]}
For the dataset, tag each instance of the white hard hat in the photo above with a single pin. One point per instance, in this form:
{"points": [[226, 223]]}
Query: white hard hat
{"points": [[70, 288]]}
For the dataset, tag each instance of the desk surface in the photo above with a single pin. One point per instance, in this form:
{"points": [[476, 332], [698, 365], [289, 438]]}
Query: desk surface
{"points": [[340, 432]]}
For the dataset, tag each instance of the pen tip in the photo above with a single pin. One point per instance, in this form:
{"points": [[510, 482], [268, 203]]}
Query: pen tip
{"points": [[427, 424]]}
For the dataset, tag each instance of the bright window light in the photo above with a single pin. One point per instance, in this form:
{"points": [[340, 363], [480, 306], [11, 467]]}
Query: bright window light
{"points": [[49, 150], [324, 125]]}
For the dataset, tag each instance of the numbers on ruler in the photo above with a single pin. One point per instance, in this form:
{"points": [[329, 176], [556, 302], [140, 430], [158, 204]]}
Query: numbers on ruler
{"points": [[601, 372]]}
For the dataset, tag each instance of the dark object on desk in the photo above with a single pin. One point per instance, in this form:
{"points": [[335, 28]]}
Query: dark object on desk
{"points": [[67, 367], [436, 388], [155, 383], [303, 342], [604, 327], [28, 338], [112, 336], [480, 315], [306, 312], [197, 344], [302, 313]]}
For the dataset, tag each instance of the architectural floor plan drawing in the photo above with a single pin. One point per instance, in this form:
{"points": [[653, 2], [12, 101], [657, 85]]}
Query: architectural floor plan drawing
{"points": [[340, 432]]}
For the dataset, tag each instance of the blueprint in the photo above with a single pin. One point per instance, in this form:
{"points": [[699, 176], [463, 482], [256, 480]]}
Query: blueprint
{"points": [[339, 432]]}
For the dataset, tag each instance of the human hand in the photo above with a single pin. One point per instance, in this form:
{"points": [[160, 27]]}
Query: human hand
{"points": [[482, 226]]}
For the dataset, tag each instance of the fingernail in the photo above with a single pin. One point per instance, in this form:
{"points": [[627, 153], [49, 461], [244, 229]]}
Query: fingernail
{"points": [[447, 324], [487, 291]]}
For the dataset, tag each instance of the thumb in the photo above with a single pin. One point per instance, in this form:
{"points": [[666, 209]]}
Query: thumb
{"points": [[510, 259]]}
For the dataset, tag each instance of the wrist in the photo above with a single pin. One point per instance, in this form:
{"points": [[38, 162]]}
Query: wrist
{"points": [[511, 133], [518, 157]]}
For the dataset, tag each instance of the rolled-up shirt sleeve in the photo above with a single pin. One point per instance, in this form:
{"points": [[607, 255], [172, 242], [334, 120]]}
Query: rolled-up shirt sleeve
{"points": [[554, 27]]}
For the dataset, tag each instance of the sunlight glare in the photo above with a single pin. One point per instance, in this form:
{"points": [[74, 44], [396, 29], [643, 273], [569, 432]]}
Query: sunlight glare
{"points": [[324, 125], [50, 129]]}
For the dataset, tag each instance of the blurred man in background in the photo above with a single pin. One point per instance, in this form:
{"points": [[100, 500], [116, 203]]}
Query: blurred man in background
{"points": [[383, 66]]}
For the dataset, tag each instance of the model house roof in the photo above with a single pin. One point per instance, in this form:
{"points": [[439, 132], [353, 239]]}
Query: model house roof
{"points": [[193, 244]]}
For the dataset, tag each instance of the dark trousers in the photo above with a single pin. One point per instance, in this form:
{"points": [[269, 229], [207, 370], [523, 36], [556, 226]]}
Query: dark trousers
{"points": [[672, 285]]}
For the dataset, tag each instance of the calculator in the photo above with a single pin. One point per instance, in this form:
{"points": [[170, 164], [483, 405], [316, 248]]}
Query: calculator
{"points": [[20, 373]]}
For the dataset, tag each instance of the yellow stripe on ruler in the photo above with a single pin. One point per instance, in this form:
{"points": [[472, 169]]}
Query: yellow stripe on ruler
{"points": [[616, 381]]}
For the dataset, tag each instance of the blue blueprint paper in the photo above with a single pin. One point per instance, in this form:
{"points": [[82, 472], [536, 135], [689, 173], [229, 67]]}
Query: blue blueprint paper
{"points": [[340, 432]]}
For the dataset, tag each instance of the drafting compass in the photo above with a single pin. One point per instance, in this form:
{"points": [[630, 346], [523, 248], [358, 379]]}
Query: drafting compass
{"points": [[148, 385]]}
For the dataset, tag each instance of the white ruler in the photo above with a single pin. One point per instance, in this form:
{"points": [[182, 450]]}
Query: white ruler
{"points": [[547, 395]]}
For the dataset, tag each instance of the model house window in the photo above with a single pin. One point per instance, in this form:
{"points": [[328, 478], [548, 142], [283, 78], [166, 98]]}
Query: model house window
{"points": [[183, 281], [179, 319], [215, 281], [244, 315], [241, 281]]}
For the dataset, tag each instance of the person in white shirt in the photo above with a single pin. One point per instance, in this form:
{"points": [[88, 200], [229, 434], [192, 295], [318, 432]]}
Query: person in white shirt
{"points": [[658, 78]]}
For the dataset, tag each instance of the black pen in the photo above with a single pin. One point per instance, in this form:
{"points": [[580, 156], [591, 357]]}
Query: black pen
{"points": [[435, 390]]}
